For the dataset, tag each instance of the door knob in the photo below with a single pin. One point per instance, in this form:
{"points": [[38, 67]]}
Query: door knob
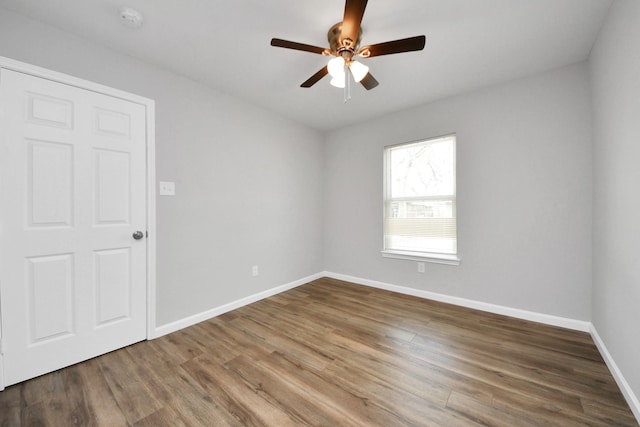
{"points": [[138, 235]]}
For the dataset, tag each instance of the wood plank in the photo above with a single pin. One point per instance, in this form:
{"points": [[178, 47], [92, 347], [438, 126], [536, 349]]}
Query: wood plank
{"points": [[335, 353], [183, 400], [413, 406], [163, 417], [97, 395], [353, 409], [307, 354], [483, 414], [11, 406], [136, 398], [304, 407], [231, 393]]}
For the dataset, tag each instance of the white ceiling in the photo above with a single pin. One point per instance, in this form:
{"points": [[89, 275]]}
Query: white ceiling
{"points": [[225, 44]]}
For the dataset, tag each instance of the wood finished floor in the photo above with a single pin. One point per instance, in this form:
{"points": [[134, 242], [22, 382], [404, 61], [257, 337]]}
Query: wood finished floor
{"points": [[335, 354]]}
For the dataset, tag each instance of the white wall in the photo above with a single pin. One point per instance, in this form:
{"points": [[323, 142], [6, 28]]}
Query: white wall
{"points": [[250, 186], [615, 77], [249, 183], [524, 195]]}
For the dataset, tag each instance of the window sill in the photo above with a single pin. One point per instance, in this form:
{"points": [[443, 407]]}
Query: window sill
{"points": [[423, 257]]}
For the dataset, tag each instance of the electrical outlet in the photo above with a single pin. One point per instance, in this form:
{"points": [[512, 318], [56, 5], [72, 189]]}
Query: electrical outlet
{"points": [[421, 267], [254, 271]]}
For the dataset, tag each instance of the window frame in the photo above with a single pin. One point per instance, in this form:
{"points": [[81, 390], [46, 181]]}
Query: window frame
{"points": [[433, 257]]}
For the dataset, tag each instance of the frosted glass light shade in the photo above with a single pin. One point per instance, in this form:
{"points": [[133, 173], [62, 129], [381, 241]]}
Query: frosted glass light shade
{"points": [[336, 67], [338, 81], [359, 70]]}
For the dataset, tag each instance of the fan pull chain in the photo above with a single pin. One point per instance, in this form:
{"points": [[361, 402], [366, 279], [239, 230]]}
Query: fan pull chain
{"points": [[347, 83]]}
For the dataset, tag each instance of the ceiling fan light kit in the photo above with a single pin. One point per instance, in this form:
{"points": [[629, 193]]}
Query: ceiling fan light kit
{"points": [[336, 66], [338, 81], [358, 70], [344, 46]]}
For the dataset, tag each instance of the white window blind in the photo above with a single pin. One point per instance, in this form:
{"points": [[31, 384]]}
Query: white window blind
{"points": [[420, 198]]}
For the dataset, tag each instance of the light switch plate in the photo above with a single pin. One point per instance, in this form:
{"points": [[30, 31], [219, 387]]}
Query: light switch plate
{"points": [[167, 188]]}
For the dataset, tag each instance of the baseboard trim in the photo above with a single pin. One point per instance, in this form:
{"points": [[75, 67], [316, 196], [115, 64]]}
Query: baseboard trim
{"points": [[547, 319], [217, 311], [577, 325], [628, 393]]}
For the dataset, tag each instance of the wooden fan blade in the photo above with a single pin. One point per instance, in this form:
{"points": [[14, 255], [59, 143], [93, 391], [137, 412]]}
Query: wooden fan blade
{"points": [[316, 77], [369, 82], [353, 13], [297, 46], [397, 46]]}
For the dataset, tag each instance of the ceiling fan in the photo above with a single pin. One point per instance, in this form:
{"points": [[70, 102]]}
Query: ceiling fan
{"points": [[344, 46]]}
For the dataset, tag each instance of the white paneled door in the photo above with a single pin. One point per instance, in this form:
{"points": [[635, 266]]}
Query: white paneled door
{"points": [[73, 193]]}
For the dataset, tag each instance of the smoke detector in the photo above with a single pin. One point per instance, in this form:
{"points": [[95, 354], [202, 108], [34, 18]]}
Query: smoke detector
{"points": [[131, 17]]}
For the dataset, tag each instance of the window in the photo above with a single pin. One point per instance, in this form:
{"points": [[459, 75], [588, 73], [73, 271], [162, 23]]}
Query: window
{"points": [[420, 201]]}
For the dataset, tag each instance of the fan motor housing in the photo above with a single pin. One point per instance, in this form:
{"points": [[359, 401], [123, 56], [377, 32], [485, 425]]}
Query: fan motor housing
{"points": [[333, 36]]}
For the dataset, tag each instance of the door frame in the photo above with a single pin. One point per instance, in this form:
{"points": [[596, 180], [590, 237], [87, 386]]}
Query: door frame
{"points": [[149, 105]]}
